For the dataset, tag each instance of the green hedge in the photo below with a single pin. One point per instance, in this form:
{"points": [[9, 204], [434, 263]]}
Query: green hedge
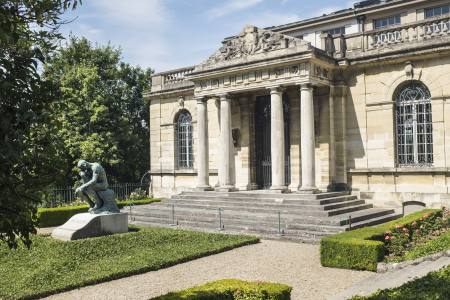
{"points": [[49, 217], [360, 249], [232, 289]]}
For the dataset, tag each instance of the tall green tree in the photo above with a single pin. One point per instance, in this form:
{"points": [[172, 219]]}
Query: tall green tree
{"points": [[102, 114], [28, 35]]}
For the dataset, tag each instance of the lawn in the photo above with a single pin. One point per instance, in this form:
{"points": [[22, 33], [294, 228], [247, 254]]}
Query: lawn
{"points": [[435, 285], [52, 266]]}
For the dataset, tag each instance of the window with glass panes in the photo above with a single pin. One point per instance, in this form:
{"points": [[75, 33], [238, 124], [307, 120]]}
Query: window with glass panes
{"points": [[337, 30], [437, 11], [414, 125], [183, 135], [386, 22]]}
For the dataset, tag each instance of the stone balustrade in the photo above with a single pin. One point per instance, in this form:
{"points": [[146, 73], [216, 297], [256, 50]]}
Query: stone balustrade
{"points": [[418, 31], [360, 44], [172, 79]]}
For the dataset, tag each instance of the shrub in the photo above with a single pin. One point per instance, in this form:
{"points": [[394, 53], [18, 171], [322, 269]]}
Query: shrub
{"points": [[233, 289], [434, 285], [361, 249], [49, 217]]}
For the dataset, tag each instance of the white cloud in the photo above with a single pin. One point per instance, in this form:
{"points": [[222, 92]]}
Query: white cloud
{"points": [[231, 7], [134, 13]]}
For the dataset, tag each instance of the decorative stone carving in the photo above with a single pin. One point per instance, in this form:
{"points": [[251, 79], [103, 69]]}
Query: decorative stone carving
{"points": [[409, 70], [181, 102], [252, 41]]}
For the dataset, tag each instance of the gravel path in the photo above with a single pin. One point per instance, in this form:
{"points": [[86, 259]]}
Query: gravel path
{"points": [[297, 265]]}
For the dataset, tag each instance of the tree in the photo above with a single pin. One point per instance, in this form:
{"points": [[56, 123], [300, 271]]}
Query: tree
{"points": [[28, 35], [101, 111]]}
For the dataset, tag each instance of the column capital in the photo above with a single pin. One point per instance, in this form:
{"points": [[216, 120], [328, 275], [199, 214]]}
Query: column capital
{"points": [[306, 86], [224, 96], [276, 89], [201, 99]]}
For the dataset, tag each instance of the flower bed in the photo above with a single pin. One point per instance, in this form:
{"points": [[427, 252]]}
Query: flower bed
{"points": [[431, 229], [362, 249]]}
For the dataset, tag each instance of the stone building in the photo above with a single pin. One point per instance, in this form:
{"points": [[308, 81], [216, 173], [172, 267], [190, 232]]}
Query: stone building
{"points": [[354, 100]]}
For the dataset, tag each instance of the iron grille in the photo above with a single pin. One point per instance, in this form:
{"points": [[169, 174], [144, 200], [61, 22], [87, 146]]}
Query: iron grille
{"points": [[183, 133], [414, 125], [263, 142]]}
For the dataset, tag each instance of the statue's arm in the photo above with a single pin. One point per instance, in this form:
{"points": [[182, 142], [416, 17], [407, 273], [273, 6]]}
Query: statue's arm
{"points": [[90, 182]]}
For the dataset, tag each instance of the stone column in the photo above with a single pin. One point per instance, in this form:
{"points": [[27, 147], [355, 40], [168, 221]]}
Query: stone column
{"points": [[277, 139], [226, 144], [307, 139], [202, 148], [332, 138]]}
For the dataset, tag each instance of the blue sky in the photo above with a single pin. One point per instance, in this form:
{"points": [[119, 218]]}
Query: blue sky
{"points": [[168, 34]]}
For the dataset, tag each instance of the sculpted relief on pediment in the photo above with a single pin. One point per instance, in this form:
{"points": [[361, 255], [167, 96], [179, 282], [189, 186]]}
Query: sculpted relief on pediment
{"points": [[252, 41]]}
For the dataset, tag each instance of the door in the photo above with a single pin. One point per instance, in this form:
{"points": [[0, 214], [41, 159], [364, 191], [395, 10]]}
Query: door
{"points": [[263, 142]]}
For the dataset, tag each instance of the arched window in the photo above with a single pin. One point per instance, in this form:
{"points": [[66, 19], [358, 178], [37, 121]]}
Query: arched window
{"points": [[183, 140], [414, 125]]}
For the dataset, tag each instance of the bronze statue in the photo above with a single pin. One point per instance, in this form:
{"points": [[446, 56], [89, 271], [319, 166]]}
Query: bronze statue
{"points": [[94, 189]]}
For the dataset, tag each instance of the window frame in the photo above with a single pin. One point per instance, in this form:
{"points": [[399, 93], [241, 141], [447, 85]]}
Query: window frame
{"points": [[413, 125], [184, 156], [433, 10], [332, 31], [375, 26]]}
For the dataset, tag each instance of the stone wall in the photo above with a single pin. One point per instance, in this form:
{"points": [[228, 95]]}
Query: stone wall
{"points": [[371, 140]]}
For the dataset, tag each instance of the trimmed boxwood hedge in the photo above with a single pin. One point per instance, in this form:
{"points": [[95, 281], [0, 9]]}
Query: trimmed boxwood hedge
{"points": [[360, 249], [49, 217], [233, 289]]}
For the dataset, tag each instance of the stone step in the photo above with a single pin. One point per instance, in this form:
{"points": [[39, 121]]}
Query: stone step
{"points": [[294, 235], [165, 213], [245, 223], [266, 210], [277, 206], [250, 201], [264, 195], [376, 221]]}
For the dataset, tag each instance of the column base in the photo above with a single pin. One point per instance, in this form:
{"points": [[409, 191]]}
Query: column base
{"points": [[226, 188], [252, 187], [204, 188], [279, 189], [309, 190]]}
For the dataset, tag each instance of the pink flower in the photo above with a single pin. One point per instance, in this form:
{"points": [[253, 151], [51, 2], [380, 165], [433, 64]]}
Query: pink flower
{"points": [[387, 238]]}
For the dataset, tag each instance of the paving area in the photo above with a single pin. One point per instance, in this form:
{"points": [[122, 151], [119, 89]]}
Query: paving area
{"points": [[297, 265], [381, 281]]}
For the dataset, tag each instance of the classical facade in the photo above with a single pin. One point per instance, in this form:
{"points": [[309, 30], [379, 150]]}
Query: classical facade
{"points": [[355, 100]]}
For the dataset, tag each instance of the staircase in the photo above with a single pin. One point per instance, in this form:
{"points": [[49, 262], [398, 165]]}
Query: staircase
{"points": [[296, 217]]}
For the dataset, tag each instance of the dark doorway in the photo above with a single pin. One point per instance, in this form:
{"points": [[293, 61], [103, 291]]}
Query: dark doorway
{"points": [[263, 142]]}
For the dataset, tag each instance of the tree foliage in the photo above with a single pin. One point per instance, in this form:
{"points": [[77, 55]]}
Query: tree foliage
{"points": [[28, 34], [101, 111]]}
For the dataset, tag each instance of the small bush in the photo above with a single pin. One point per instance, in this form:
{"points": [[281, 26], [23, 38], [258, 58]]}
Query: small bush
{"points": [[361, 249], [233, 289], [49, 217]]}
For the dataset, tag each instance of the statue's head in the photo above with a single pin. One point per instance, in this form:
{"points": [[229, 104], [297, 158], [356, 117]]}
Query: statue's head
{"points": [[82, 164]]}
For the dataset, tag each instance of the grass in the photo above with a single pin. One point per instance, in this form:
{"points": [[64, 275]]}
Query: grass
{"points": [[53, 266], [435, 285]]}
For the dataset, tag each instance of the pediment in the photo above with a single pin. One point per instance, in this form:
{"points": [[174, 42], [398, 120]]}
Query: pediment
{"points": [[253, 43]]}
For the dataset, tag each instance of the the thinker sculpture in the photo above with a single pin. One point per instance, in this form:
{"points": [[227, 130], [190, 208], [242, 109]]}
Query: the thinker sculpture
{"points": [[95, 189]]}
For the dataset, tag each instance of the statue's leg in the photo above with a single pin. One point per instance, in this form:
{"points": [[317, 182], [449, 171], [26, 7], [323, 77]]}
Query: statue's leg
{"points": [[85, 197]]}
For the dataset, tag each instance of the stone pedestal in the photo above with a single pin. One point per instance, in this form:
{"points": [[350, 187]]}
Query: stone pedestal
{"points": [[87, 225]]}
